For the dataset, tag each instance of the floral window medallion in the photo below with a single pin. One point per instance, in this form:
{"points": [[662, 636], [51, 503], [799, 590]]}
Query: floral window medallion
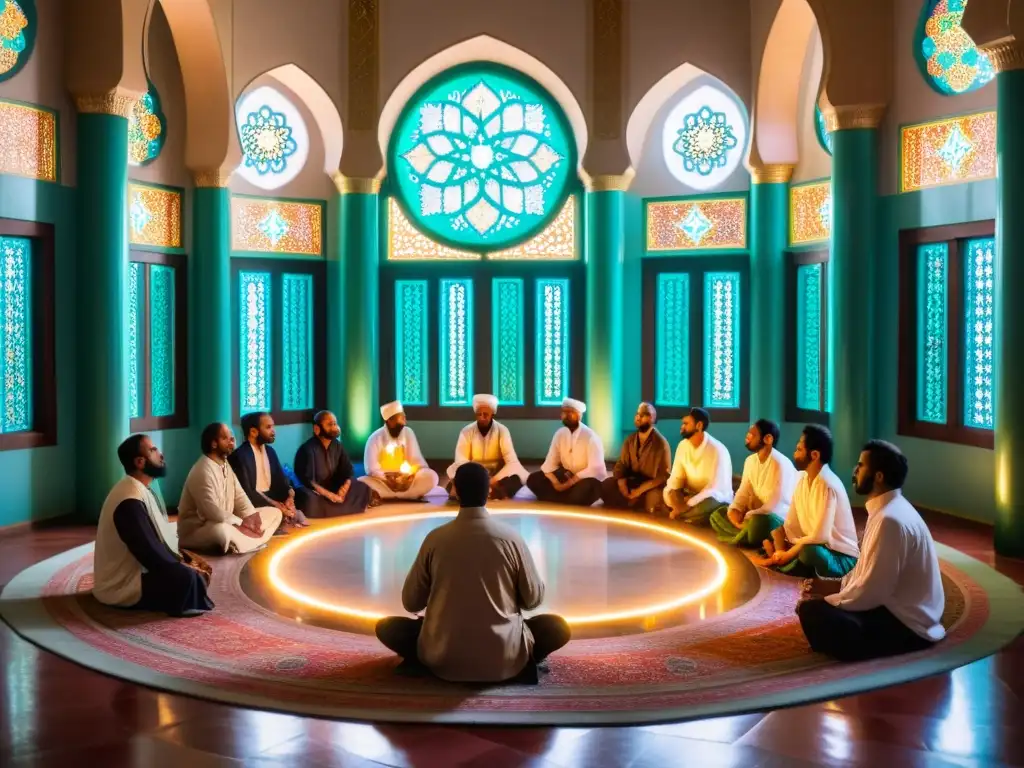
{"points": [[704, 137], [273, 138]]}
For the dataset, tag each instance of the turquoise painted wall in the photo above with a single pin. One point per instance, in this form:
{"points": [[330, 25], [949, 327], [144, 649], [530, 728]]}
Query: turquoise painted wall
{"points": [[40, 482]]}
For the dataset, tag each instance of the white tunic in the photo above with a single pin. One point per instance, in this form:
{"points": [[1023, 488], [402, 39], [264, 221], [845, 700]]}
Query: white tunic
{"points": [[117, 574], [493, 450], [262, 469], [377, 448], [898, 568], [821, 514], [705, 471], [767, 486], [579, 452]]}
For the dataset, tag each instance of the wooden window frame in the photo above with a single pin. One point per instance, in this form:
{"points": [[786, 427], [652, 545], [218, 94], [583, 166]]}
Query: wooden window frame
{"points": [[178, 419], [44, 337], [277, 267], [697, 267], [954, 430], [793, 412], [482, 273]]}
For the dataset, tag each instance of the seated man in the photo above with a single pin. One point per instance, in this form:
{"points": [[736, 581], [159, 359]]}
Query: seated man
{"points": [[892, 601], [474, 576], [137, 563], [762, 502], [395, 467], [489, 443], [322, 465], [574, 468], [701, 479], [818, 537], [642, 470], [214, 513], [259, 471]]}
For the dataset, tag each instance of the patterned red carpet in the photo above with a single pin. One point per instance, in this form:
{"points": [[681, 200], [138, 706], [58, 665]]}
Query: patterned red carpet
{"points": [[749, 658]]}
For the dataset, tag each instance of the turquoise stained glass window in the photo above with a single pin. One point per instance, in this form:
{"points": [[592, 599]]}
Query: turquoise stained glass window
{"points": [[482, 158], [147, 129], [412, 347], [508, 340], [16, 334], [950, 60], [932, 331], [456, 347], [161, 340], [17, 35], [810, 280], [979, 319], [824, 137], [136, 290], [722, 339], [672, 340], [254, 349], [552, 344], [297, 342]]}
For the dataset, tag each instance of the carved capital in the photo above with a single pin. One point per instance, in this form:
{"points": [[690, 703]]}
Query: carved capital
{"points": [[348, 185], [773, 173], [215, 178], [1006, 55], [856, 116], [117, 102], [617, 182]]}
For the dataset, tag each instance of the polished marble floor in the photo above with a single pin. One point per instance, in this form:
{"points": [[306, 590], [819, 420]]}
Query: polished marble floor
{"points": [[53, 713]]}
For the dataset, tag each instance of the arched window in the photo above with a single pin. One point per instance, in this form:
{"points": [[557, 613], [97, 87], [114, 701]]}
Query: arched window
{"points": [[147, 129], [273, 137], [17, 35], [482, 158], [824, 137], [704, 138], [949, 59]]}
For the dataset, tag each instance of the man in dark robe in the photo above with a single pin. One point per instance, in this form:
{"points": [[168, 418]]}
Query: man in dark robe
{"points": [[329, 487], [642, 469], [259, 471], [137, 563]]}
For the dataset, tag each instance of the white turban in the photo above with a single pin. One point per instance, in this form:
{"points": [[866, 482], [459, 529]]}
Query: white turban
{"points": [[577, 405], [391, 409], [480, 401]]}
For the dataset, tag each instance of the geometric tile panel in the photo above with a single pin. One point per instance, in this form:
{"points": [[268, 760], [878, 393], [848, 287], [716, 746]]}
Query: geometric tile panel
{"points": [[948, 151], [265, 225], [691, 225], [28, 141], [810, 213], [154, 216]]}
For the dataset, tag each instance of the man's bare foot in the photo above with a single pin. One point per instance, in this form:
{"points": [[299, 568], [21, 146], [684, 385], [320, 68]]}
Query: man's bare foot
{"points": [[762, 562], [769, 547], [674, 514]]}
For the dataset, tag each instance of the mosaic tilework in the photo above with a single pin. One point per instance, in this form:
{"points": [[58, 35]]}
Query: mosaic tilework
{"points": [[948, 151], [456, 347], [687, 225], [254, 345], [722, 339], [809, 287], [412, 345], [552, 342], [556, 242], [672, 359], [265, 225], [810, 213], [147, 129], [17, 33], [161, 340], [932, 331], [952, 60], [28, 142], [297, 342], [16, 334], [507, 301], [979, 333], [154, 216]]}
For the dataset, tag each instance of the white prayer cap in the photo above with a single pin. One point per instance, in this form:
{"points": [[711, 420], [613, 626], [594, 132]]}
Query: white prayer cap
{"points": [[480, 401], [391, 409], [577, 405]]}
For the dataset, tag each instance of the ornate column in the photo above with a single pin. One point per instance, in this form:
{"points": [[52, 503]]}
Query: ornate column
{"points": [[102, 228], [353, 334], [211, 299], [769, 226], [854, 243], [603, 350]]}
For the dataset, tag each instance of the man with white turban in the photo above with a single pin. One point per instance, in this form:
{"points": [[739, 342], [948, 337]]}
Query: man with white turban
{"points": [[488, 442], [395, 467], [574, 468]]}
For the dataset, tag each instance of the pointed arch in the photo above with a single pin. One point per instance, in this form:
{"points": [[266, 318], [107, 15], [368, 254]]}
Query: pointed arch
{"points": [[483, 48]]}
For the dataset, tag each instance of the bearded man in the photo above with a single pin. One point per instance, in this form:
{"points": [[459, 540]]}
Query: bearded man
{"points": [[395, 467], [489, 443]]}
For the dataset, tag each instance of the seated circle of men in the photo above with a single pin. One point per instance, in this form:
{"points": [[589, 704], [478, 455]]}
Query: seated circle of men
{"points": [[259, 470], [640, 474], [214, 514], [892, 601], [818, 537], [700, 482], [766, 490], [394, 463], [322, 465], [137, 562], [488, 442], [574, 467]]}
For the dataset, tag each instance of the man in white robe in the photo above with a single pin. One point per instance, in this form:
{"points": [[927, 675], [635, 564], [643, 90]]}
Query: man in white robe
{"points": [[488, 442], [214, 513], [574, 467], [701, 478], [394, 463]]}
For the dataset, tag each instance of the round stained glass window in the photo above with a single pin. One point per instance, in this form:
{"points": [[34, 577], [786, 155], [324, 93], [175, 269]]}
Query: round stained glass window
{"points": [[17, 35], [704, 138], [147, 129], [481, 158], [273, 138], [950, 60]]}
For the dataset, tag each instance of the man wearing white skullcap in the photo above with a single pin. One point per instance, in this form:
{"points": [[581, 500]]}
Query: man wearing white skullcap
{"points": [[395, 467], [574, 468], [488, 442]]}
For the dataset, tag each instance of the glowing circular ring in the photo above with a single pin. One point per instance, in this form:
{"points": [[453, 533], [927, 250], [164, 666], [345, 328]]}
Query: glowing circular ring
{"points": [[690, 597]]}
